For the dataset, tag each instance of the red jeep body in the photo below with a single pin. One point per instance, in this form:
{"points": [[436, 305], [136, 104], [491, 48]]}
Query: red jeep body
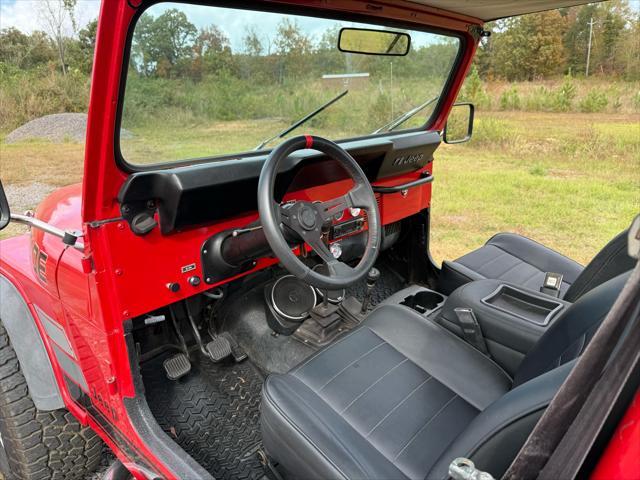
{"points": [[90, 295]]}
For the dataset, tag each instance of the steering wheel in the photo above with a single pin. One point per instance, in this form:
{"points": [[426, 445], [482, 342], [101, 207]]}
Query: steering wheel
{"points": [[307, 219]]}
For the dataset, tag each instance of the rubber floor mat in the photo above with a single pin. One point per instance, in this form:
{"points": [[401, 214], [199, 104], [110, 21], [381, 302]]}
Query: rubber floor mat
{"points": [[213, 413]]}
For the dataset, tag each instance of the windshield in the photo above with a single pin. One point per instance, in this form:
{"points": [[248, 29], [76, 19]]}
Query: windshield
{"points": [[206, 81]]}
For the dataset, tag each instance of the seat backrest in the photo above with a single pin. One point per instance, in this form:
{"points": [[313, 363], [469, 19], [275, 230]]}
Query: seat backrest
{"points": [[611, 261], [494, 437], [571, 332]]}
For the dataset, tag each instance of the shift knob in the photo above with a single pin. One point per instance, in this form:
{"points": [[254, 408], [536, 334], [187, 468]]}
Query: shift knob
{"points": [[373, 276]]}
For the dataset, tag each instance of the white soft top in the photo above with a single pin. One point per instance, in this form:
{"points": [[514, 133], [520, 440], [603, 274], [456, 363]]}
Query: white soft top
{"points": [[493, 9]]}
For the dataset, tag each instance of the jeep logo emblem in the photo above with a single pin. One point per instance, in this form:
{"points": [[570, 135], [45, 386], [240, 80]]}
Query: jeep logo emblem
{"points": [[408, 159]]}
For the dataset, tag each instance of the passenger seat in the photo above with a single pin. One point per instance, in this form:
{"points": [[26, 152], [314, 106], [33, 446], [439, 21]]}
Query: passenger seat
{"points": [[522, 261]]}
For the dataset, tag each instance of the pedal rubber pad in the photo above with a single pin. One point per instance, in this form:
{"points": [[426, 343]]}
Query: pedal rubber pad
{"points": [[236, 350], [177, 366], [219, 348]]}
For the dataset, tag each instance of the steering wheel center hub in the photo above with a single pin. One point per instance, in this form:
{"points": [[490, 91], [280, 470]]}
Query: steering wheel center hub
{"points": [[307, 217]]}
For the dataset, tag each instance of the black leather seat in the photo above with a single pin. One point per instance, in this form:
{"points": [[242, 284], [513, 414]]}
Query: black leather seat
{"points": [[400, 397], [522, 261]]}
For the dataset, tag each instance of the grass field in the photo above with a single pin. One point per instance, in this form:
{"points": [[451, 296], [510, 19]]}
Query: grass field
{"points": [[570, 181]]}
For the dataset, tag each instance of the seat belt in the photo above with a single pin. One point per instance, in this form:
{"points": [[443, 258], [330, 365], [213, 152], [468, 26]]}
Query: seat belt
{"points": [[565, 434], [471, 330], [559, 443]]}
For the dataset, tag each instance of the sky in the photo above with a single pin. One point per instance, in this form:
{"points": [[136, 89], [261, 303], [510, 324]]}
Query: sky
{"points": [[24, 15]]}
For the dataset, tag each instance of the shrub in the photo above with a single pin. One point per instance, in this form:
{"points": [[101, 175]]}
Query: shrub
{"points": [[594, 101], [473, 90], [563, 98], [492, 131], [541, 99], [380, 110], [510, 99], [25, 95]]}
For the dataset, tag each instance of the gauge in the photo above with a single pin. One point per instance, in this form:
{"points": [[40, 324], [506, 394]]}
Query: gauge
{"points": [[355, 212], [338, 216]]}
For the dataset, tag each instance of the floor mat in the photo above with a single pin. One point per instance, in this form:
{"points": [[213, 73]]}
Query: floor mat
{"points": [[388, 284], [213, 413]]}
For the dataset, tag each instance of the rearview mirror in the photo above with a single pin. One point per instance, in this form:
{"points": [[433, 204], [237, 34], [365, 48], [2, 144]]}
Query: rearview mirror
{"points": [[374, 42], [459, 125], [5, 214]]}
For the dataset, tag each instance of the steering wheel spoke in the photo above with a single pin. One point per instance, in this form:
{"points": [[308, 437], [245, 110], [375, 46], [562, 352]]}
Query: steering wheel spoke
{"points": [[357, 197], [318, 246], [360, 196], [338, 269], [285, 216], [330, 208]]}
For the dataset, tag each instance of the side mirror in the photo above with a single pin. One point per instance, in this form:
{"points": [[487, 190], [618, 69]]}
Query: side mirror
{"points": [[459, 125], [5, 214], [374, 42]]}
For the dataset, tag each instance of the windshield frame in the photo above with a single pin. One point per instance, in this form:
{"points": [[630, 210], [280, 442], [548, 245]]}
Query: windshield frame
{"points": [[302, 10]]}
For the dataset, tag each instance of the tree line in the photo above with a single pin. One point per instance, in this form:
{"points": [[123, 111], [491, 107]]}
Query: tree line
{"points": [[170, 46], [529, 47], [538, 46]]}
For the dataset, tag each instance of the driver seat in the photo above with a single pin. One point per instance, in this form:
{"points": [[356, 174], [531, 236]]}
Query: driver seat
{"points": [[400, 397]]}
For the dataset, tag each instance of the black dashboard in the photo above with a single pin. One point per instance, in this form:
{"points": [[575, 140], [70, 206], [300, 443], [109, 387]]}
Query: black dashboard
{"points": [[189, 196]]}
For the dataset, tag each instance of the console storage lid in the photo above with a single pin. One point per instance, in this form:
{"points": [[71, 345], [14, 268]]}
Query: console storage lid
{"points": [[537, 309], [512, 318]]}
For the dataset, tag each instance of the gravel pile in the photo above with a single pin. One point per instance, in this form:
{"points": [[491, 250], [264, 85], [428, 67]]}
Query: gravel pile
{"points": [[26, 196], [59, 127]]}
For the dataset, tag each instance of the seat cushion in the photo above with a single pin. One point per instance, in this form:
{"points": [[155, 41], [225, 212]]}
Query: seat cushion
{"points": [[511, 258], [383, 402]]}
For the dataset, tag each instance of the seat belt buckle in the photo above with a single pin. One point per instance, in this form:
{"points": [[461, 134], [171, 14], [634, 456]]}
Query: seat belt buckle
{"points": [[471, 329], [464, 469], [552, 283]]}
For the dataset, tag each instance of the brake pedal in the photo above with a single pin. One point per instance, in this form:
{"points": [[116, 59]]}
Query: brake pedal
{"points": [[219, 348], [236, 350], [177, 366]]}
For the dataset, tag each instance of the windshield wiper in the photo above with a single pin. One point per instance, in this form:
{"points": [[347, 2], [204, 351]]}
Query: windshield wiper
{"points": [[302, 121], [396, 122]]}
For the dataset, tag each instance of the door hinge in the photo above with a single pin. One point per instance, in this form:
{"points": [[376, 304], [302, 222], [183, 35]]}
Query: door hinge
{"points": [[478, 32]]}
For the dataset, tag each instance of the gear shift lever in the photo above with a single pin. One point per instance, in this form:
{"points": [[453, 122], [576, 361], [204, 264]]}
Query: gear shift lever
{"points": [[372, 278]]}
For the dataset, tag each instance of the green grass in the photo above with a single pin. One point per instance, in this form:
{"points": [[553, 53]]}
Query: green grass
{"points": [[568, 180]]}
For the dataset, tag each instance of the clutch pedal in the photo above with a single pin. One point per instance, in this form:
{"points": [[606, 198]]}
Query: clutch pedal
{"points": [[219, 348], [177, 366]]}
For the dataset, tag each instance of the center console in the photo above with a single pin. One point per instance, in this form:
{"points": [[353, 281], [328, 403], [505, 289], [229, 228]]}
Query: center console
{"points": [[511, 318], [421, 299], [524, 304]]}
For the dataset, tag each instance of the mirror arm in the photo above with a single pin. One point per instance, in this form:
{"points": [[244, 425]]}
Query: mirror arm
{"points": [[68, 238]]}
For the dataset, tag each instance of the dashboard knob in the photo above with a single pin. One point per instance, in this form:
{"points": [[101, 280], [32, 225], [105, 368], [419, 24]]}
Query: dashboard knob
{"points": [[336, 250], [355, 212], [173, 287]]}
